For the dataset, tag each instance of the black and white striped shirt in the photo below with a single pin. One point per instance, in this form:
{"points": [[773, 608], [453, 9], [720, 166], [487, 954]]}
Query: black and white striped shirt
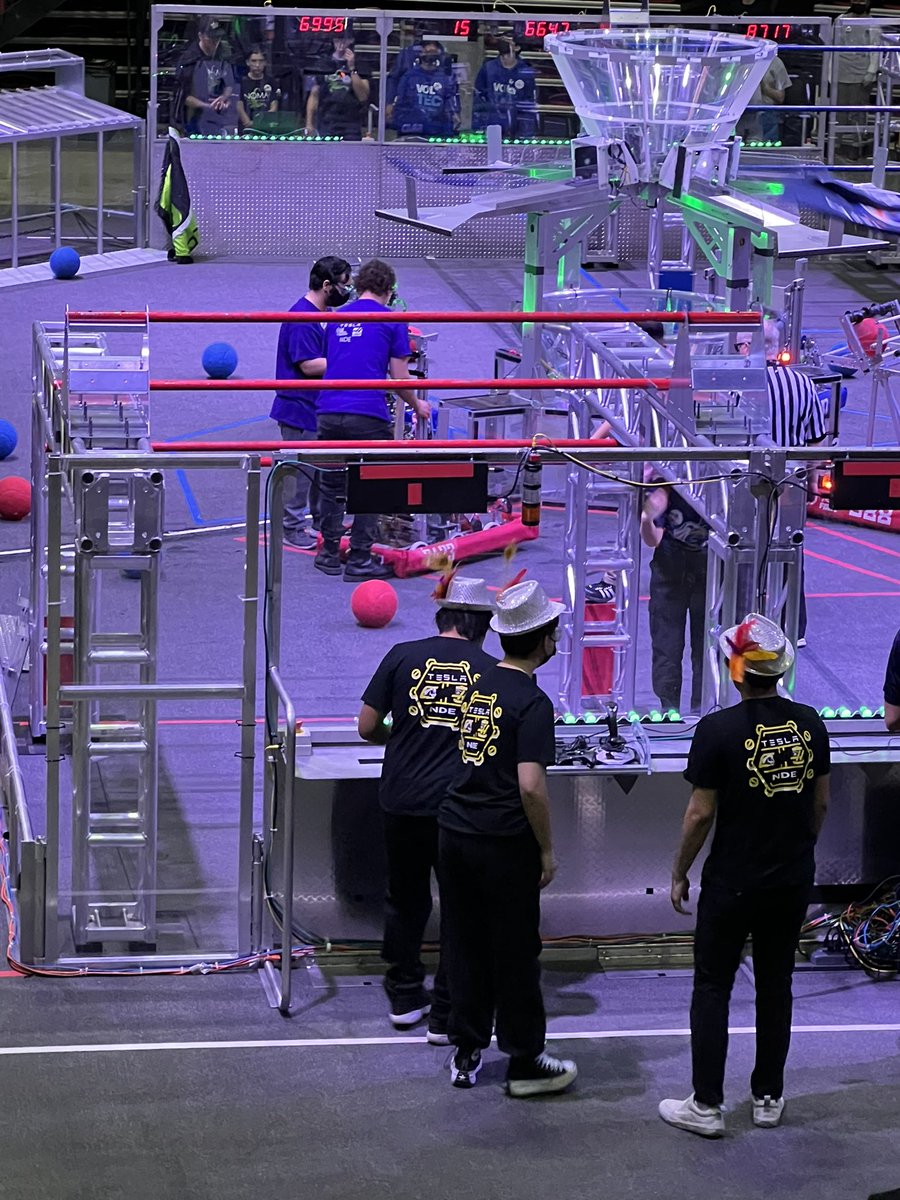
{"points": [[798, 415]]}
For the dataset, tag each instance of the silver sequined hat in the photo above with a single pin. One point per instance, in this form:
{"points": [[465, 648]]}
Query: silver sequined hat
{"points": [[769, 652], [467, 592], [523, 607]]}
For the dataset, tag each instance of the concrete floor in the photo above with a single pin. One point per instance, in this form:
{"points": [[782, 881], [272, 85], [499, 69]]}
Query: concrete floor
{"points": [[160, 1089]]}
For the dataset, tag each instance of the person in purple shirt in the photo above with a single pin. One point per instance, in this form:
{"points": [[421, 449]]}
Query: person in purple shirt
{"points": [[301, 355], [362, 350]]}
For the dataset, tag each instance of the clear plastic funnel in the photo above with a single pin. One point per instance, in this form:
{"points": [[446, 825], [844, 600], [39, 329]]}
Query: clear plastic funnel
{"points": [[654, 88]]}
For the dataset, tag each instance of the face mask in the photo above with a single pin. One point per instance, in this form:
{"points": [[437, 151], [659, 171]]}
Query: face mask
{"points": [[339, 295], [430, 60]]}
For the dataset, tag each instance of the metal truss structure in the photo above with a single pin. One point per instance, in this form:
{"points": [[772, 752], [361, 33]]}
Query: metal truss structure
{"points": [[94, 678]]}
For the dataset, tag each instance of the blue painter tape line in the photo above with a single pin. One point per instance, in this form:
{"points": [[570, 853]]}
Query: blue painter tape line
{"points": [[190, 498]]}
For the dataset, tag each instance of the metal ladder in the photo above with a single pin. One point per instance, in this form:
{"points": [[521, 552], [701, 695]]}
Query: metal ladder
{"points": [[118, 528], [124, 911]]}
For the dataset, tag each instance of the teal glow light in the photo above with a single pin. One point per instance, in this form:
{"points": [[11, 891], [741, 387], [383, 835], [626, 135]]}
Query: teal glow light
{"points": [[569, 718], [673, 714], [590, 718], [633, 717], [866, 712], [843, 712], [655, 715], [827, 713]]}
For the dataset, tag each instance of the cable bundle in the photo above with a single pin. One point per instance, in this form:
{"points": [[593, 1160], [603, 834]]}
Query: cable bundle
{"points": [[868, 933]]}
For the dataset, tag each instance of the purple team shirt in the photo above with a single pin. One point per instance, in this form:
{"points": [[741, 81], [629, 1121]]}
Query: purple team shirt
{"points": [[361, 351], [298, 342]]}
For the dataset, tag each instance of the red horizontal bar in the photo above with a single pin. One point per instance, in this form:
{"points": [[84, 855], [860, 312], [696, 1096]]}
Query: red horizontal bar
{"points": [[888, 468], [381, 385], [504, 317], [412, 471], [437, 444]]}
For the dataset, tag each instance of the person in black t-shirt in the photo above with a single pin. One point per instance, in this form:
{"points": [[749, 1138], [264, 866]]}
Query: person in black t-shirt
{"points": [[678, 536], [259, 92], [496, 853], [337, 100], [760, 770], [423, 685], [892, 687]]}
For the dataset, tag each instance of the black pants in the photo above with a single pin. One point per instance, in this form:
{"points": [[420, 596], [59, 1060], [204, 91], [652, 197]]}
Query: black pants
{"points": [[725, 918], [347, 427], [677, 595], [491, 941], [412, 854]]}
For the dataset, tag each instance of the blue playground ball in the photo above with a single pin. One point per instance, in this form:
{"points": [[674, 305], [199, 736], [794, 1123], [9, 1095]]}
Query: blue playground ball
{"points": [[65, 263], [219, 360], [8, 439]]}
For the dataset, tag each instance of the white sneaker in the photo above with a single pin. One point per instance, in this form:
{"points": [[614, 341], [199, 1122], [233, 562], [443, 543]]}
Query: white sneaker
{"points": [[767, 1112], [801, 642], [694, 1117]]}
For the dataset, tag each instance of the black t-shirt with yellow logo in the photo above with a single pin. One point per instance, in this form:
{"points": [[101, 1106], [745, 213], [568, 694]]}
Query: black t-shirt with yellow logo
{"points": [[762, 757], [508, 720], [424, 685]]}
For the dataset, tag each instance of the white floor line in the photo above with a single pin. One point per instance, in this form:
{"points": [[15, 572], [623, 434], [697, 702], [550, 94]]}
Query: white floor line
{"points": [[561, 1035]]}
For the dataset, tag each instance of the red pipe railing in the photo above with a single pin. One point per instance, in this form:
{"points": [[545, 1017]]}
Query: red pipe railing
{"points": [[462, 444], [411, 384], [335, 316]]}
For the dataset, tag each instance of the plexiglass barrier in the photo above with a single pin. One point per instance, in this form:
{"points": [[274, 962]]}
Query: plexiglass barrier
{"points": [[303, 74]]}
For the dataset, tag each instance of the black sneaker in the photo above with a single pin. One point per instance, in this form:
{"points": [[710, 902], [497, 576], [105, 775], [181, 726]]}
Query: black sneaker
{"points": [[437, 1031], [408, 1008], [368, 568], [464, 1068], [537, 1076], [328, 561], [600, 593]]}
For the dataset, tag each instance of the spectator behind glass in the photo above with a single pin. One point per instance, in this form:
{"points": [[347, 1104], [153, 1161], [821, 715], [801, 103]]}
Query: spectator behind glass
{"points": [[771, 91], [338, 99], [856, 71], [258, 92], [206, 101], [427, 100], [504, 93]]}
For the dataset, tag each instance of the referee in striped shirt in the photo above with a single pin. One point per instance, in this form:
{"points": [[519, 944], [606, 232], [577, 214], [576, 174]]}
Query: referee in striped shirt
{"points": [[798, 416]]}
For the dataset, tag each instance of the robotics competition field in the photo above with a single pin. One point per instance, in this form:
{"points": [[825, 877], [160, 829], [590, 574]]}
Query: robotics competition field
{"points": [[193, 845]]}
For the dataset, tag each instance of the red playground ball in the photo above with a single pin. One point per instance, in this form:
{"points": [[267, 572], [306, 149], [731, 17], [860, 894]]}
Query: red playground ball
{"points": [[373, 603], [15, 498]]}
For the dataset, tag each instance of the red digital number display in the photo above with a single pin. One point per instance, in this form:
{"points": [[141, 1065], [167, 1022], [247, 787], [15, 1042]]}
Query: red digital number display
{"points": [[322, 24], [771, 33], [462, 28], [539, 29]]}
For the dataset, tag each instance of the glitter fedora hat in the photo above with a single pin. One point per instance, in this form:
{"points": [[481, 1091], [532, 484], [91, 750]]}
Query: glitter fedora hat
{"points": [[466, 592], [523, 607], [757, 645]]}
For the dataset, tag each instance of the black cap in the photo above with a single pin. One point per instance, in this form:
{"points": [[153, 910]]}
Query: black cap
{"points": [[211, 27]]}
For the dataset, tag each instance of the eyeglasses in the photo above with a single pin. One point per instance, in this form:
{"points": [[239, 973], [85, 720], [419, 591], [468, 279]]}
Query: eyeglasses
{"points": [[741, 346]]}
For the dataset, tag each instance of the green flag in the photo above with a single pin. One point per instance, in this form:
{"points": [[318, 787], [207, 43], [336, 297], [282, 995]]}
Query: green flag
{"points": [[173, 205]]}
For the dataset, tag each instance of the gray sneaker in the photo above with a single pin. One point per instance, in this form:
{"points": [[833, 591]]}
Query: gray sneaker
{"points": [[767, 1112], [695, 1118], [301, 537]]}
